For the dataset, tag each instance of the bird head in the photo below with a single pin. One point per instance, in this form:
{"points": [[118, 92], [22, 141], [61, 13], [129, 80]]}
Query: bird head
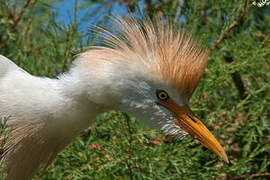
{"points": [[152, 70]]}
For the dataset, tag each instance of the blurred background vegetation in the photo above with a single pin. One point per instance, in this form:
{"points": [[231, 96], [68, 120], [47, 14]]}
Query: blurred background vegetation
{"points": [[233, 97]]}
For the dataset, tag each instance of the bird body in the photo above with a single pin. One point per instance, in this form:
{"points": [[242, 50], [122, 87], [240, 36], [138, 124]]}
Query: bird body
{"points": [[149, 71]]}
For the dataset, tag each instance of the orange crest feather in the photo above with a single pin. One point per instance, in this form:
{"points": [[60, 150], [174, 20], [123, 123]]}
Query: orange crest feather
{"points": [[169, 54]]}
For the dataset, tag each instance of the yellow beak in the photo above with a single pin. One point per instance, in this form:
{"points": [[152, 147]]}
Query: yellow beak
{"points": [[187, 121]]}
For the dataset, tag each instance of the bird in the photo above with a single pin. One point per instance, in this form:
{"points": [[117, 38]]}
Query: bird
{"points": [[146, 68]]}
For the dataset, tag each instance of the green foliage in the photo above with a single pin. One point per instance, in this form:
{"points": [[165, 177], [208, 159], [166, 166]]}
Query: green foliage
{"points": [[117, 146], [3, 135]]}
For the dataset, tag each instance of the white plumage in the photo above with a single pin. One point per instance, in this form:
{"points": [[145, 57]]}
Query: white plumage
{"points": [[47, 114]]}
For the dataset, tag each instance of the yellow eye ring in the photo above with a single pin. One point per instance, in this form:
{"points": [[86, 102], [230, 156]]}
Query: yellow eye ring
{"points": [[162, 95]]}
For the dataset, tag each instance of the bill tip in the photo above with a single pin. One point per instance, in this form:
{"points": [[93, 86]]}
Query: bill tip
{"points": [[225, 158]]}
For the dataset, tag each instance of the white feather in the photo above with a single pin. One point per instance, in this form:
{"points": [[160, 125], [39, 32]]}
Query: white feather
{"points": [[47, 114]]}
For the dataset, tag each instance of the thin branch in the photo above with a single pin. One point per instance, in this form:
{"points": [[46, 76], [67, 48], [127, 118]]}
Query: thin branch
{"points": [[234, 24], [237, 79], [16, 22], [250, 175]]}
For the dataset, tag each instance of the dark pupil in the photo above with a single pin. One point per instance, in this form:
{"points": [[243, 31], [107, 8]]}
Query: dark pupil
{"points": [[162, 95]]}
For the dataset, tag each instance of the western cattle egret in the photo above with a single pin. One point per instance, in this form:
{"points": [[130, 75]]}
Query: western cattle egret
{"points": [[149, 70]]}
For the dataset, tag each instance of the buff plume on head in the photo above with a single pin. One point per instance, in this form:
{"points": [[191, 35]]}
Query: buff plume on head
{"points": [[147, 69], [170, 55]]}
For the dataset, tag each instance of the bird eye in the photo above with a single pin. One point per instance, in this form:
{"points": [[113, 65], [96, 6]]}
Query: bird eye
{"points": [[162, 95]]}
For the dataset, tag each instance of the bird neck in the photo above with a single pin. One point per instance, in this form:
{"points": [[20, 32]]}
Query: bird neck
{"points": [[92, 87], [83, 97]]}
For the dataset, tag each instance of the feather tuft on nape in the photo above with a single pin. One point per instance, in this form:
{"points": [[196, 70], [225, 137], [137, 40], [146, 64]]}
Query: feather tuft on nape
{"points": [[167, 53]]}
